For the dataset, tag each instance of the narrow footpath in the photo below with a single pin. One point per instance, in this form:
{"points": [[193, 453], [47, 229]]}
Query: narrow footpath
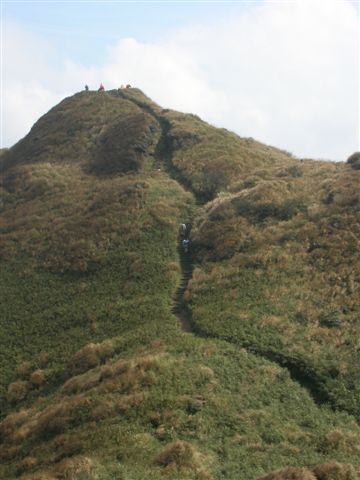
{"points": [[179, 308]]}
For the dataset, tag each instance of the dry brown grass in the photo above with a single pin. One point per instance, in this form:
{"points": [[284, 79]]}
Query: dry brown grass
{"points": [[126, 402], [84, 359], [27, 463], [289, 473], [17, 391], [66, 445], [21, 434], [103, 410], [9, 453], [180, 456], [38, 378], [123, 374], [45, 423], [13, 421], [40, 476], [335, 471], [76, 468], [340, 440], [52, 420], [24, 368], [81, 383], [90, 356], [167, 417]]}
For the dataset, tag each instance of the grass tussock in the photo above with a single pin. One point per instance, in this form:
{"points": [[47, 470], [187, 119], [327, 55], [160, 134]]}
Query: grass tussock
{"points": [[38, 378], [181, 457], [66, 445], [128, 373], [40, 476], [90, 356], [17, 391], [289, 473], [24, 369], [28, 463], [76, 468], [335, 471], [326, 471]]}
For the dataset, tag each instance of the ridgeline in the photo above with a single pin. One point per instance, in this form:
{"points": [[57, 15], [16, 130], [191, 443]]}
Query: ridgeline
{"points": [[121, 357]]}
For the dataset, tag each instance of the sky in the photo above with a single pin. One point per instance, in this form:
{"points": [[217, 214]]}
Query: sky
{"points": [[285, 72]]}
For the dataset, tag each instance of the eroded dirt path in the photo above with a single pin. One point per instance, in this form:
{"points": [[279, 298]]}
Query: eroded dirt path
{"points": [[179, 307]]}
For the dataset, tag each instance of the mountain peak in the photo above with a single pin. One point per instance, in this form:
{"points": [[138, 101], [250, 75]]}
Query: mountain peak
{"points": [[120, 131]]}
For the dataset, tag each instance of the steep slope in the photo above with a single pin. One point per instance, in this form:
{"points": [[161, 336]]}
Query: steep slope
{"points": [[283, 253], [98, 380]]}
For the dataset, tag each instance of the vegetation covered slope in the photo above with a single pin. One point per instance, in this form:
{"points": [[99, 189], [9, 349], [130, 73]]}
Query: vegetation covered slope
{"points": [[97, 379], [282, 252]]}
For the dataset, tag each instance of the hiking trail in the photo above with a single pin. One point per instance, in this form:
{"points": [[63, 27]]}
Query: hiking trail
{"points": [[179, 309]]}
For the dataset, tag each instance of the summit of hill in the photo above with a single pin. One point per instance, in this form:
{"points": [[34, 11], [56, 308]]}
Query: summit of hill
{"points": [[99, 380], [121, 131]]}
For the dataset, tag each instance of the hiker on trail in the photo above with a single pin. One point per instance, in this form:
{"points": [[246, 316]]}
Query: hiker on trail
{"points": [[86, 88], [183, 230], [185, 245], [101, 88]]}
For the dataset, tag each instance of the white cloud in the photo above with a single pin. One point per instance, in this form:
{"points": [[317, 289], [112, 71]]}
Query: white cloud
{"points": [[165, 72], [35, 78], [284, 73]]}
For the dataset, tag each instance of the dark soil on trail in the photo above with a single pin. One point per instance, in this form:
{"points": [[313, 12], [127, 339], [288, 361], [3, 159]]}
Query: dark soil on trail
{"points": [[179, 308]]}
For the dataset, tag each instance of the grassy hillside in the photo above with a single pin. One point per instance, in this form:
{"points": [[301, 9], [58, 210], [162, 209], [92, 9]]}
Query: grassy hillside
{"points": [[98, 381], [279, 263]]}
